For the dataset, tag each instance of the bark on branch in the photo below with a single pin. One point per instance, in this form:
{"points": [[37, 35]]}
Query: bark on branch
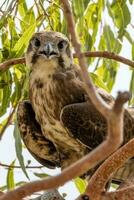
{"points": [[101, 54], [101, 176]]}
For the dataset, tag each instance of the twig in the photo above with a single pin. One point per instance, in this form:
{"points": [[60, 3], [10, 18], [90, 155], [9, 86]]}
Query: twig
{"points": [[19, 167], [7, 122], [101, 54], [46, 14]]}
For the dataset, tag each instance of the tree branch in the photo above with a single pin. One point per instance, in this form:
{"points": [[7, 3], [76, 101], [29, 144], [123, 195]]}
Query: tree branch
{"points": [[6, 65], [69, 173], [19, 167], [101, 54], [7, 122], [105, 171], [115, 125], [126, 193], [109, 55], [1, 193]]}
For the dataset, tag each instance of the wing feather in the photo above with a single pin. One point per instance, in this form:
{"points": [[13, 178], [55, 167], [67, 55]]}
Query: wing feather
{"points": [[42, 149]]}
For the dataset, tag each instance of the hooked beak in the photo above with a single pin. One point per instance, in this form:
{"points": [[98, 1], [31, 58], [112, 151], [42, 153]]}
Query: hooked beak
{"points": [[48, 51]]}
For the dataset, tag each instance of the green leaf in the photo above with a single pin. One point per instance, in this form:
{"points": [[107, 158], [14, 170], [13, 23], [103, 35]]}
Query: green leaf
{"points": [[10, 177], [13, 32], [133, 51], [98, 82], [28, 19], [3, 188], [112, 44], [53, 18], [91, 15], [132, 89], [18, 89], [92, 18], [114, 185], [18, 148], [128, 36], [23, 41], [120, 14], [6, 92], [78, 8], [22, 8], [41, 175], [80, 184], [131, 1]]}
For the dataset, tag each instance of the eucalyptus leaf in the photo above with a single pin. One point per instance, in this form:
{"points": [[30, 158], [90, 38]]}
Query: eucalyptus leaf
{"points": [[41, 175], [132, 89], [23, 41], [10, 177], [22, 8], [18, 148], [133, 51], [81, 184]]}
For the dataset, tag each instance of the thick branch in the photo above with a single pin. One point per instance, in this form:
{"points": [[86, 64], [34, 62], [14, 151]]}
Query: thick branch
{"points": [[123, 194], [101, 54], [75, 169], [107, 169], [1, 193]]}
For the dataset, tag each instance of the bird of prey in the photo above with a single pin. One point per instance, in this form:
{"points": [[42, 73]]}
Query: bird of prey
{"points": [[59, 124]]}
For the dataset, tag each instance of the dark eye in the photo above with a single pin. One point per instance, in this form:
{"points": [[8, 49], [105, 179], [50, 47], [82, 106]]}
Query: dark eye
{"points": [[61, 44], [36, 42]]}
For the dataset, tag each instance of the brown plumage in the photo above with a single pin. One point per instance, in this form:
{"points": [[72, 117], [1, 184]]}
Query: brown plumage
{"points": [[67, 125]]}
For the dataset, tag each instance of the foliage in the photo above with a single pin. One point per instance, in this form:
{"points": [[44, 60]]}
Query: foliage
{"points": [[101, 25]]}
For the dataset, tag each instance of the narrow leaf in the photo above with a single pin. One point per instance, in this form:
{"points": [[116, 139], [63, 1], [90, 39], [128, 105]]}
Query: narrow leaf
{"points": [[23, 41], [80, 184], [41, 175], [18, 147], [10, 177]]}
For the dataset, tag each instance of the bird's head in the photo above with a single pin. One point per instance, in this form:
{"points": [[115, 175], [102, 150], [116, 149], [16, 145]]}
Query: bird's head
{"points": [[48, 48]]}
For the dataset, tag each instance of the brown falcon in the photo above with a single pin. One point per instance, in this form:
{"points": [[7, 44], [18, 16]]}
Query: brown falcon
{"points": [[59, 124]]}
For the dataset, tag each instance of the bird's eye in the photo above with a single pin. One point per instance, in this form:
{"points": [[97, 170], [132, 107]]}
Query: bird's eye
{"points": [[61, 44], [36, 42]]}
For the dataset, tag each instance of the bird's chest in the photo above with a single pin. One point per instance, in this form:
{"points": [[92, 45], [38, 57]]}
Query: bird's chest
{"points": [[48, 101], [49, 98]]}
